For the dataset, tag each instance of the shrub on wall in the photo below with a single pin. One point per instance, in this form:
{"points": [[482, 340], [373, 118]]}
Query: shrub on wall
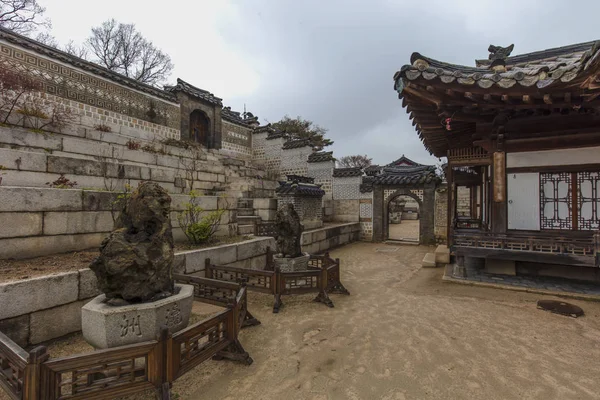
{"points": [[62, 183], [197, 225]]}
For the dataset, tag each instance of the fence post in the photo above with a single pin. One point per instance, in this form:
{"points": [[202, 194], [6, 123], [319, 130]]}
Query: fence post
{"points": [[207, 269], [277, 290], [269, 266], [33, 380], [164, 359]]}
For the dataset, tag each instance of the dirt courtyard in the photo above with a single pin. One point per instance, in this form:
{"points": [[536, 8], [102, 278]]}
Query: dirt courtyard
{"points": [[405, 334], [407, 230]]}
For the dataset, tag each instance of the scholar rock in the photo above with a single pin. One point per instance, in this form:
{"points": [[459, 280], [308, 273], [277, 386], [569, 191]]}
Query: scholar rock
{"points": [[289, 231], [135, 262]]}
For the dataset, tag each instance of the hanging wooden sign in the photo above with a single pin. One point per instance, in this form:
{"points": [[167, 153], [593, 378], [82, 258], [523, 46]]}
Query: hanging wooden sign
{"points": [[499, 177]]}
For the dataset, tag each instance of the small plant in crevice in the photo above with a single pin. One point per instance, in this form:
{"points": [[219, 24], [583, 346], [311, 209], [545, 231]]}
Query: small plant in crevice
{"points": [[102, 128], [62, 183], [149, 148], [198, 225], [133, 145]]}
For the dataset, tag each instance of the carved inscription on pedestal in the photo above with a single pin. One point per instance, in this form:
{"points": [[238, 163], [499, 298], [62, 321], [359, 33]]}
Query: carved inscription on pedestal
{"points": [[173, 316], [131, 326]]}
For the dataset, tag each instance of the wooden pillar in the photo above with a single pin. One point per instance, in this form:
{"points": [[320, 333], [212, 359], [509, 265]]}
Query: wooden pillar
{"points": [[499, 192], [450, 206]]}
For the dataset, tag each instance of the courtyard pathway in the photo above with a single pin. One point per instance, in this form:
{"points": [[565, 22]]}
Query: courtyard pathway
{"points": [[405, 334]]}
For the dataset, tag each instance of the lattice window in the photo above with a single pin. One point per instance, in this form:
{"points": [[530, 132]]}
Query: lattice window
{"points": [[588, 200], [556, 201]]}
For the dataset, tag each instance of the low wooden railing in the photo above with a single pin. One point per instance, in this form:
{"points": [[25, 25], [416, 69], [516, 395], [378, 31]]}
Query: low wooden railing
{"points": [[586, 251], [127, 370], [322, 277]]}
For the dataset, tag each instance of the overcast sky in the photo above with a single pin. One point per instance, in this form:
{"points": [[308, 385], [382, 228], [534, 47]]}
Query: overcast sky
{"points": [[330, 61]]}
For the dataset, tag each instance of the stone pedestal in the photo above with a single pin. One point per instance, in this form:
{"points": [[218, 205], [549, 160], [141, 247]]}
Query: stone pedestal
{"points": [[292, 264], [105, 326]]}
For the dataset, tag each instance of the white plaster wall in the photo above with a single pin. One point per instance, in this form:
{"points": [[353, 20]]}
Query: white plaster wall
{"points": [[523, 192], [587, 155]]}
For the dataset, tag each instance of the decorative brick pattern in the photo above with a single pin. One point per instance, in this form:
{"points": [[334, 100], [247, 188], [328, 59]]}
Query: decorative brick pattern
{"points": [[74, 84], [366, 210], [441, 214], [366, 231], [322, 173], [100, 116], [346, 188], [294, 161]]}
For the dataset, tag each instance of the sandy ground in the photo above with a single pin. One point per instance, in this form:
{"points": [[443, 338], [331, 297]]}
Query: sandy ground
{"points": [[405, 334], [408, 229]]}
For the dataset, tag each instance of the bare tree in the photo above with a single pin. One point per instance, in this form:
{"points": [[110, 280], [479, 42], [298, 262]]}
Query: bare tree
{"points": [[47, 39], [355, 161], [15, 88], [121, 48], [22, 16], [75, 50]]}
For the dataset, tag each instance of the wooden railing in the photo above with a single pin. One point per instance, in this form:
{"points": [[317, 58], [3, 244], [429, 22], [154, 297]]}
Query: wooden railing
{"points": [[322, 277], [127, 370], [266, 229], [583, 251]]}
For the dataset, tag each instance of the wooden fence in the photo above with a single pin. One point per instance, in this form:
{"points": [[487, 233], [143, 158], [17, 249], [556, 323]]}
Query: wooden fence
{"points": [[126, 370], [322, 277]]}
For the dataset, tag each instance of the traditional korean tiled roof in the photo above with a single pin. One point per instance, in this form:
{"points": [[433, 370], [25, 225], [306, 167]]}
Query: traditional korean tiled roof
{"points": [[300, 178], [404, 161], [367, 184], [233, 116], [540, 69], [446, 101], [276, 135], [296, 144], [297, 188], [193, 91], [265, 128], [347, 172], [407, 176], [321, 156], [373, 170]]}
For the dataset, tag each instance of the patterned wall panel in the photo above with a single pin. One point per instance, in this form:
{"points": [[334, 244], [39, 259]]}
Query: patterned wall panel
{"points": [[588, 201], [556, 201], [70, 83], [346, 188]]}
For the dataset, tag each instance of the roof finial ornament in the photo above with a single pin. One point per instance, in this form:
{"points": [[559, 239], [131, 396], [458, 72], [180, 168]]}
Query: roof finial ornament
{"points": [[500, 53], [498, 56]]}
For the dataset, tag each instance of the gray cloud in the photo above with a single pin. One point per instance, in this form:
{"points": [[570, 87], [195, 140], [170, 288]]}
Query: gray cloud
{"points": [[333, 61]]}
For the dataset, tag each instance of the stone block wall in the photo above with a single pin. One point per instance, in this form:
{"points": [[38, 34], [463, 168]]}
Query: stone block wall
{"points": [[41, 221], [55, 310]]}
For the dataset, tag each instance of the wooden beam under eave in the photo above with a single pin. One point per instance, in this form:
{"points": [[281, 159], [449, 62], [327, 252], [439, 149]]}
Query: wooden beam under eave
{"points": [[547, 99], [567, 98]]}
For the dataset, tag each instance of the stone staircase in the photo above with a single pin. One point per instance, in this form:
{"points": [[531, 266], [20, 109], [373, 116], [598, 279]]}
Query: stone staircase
{"points": [[439, 258], [252, 212]]}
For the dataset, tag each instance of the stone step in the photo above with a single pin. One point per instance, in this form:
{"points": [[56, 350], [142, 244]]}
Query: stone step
{"points": [[245, 203], [248, 220], [246, 229], [442, 254], [429, 261], [245, 212]]}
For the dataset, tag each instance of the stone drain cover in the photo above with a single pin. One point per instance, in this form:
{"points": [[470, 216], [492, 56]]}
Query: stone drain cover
{"points": [[560, 307]]}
